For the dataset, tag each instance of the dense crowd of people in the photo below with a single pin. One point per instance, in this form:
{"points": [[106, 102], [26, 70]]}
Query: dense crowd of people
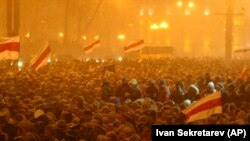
{"points": [[77, 100]]}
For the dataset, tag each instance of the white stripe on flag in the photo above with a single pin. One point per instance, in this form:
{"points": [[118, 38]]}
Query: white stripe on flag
{"points": [[9, 48], [41, 59], [204, 108], [136, 45]]}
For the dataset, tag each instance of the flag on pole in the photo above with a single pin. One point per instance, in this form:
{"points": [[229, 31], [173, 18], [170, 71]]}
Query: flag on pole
{"points": [[88, 49], [41, 59], [133, 46], [204, 108], [9, 49]]}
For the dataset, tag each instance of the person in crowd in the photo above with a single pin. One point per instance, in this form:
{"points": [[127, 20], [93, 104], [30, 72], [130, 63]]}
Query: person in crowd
{"points": [[164, 91], [152, 90], [123, 89]]}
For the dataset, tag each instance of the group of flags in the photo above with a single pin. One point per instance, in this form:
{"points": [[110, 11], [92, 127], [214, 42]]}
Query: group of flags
{"points": [[202, 109], [10, 48], [132, 46]]}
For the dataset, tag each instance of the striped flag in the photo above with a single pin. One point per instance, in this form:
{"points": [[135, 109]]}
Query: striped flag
{"points": [[204, 108], [136, 45], [88, 49], [41, 59], [9, 49]]}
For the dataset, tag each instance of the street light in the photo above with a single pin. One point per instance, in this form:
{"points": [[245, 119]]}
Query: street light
{"points": [[84, 37], [164, 25], [154, 26], [179, 3], [60, 34], [27, 35], [121, 36], [206, 12], [191, 4]]}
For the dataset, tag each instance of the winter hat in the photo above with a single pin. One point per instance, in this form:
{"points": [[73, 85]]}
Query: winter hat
{"points": [[133, 82], [38, 113], [187, 102]]}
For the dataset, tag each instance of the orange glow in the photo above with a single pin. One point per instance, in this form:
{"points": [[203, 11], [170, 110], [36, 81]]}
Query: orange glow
{"points": [[163, 25], [154, 27], [191, 4], [179, 3], [206, 12], [187, 12], [60, 34], [121, 36]]}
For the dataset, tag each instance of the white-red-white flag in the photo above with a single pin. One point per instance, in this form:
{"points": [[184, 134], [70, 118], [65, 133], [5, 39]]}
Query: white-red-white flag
{"points": [[88, 49], [133, 46], [9, 48], [204, 108], [41, 59]]}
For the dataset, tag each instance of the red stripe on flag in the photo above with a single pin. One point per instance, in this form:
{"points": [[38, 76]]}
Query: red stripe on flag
{"points": [[140, 42], [91, 45], [41, 57], [205, 106], [11, 46]]}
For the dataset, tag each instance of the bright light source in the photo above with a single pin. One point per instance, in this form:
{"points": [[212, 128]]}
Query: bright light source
{"points": [[87, 59], [97, 37], [97, 61], [121, 36], [163, 25], [60, 34], [27, 35], [120, 59], [154, 26], [187, 12], [141, 12], [191, 4], [49, 60], [150, 12], [206, 12], [56, 60], [84, 37], [103, 60], [179, 3], [20, 64]]}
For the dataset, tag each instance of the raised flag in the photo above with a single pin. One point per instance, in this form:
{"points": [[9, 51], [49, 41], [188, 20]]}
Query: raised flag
{"points": [[204, 108], [9, 49], [41, 59], [133, 46], [88, 49]]}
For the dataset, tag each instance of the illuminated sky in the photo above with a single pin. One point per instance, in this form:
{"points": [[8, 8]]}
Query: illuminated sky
{"points": [[194, 27]]}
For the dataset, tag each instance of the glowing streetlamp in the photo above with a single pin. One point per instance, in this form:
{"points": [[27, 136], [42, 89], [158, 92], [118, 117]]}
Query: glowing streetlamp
{"points": [[60, 34], [206, 12], [84, 37], [164, 25], [121, 36], [179, 3], [27, 35], [154, 27], [120, 59], [191, 4]]}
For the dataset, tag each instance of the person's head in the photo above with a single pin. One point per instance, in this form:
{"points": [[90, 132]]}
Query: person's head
{"points": [[124, 80], [133, 83]]}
